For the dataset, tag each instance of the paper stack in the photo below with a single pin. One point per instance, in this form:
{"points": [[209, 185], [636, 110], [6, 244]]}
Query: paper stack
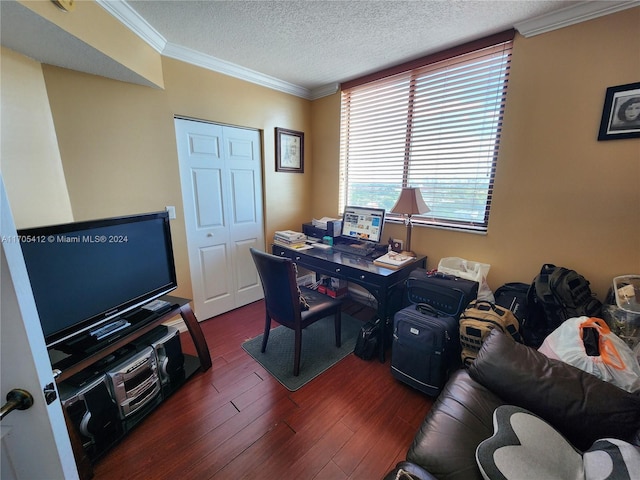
{"points": [[289, 238], [393, 260], [322, 222]]}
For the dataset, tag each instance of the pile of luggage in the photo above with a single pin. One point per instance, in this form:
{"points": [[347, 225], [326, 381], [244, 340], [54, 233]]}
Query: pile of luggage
{"points": [[446, 320]]}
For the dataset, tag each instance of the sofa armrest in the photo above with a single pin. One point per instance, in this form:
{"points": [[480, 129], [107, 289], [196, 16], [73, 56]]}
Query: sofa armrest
{"points": [[459, 420]]}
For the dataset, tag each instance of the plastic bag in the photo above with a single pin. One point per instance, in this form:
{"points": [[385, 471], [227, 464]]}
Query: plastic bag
{"points": [[616, 363], [471, 271]]}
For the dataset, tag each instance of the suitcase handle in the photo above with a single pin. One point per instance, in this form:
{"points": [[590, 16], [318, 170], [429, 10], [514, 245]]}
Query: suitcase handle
{"points": [[427, 309]]}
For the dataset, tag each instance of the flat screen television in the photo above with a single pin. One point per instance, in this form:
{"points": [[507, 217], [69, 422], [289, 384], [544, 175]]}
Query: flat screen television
{"points": [[363, 223], [85, 274]]}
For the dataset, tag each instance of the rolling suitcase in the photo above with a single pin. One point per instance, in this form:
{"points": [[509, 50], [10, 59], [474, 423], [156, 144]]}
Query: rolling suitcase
{"points": [[448, 294], [425, 348]]}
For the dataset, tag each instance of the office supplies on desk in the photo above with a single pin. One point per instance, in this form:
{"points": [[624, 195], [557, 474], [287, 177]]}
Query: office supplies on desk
{"points": [[290, 238], [359, 249], [393, 260]]}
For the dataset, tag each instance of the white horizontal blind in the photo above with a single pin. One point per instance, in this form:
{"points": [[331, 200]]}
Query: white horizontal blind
{"points": [[436, 127]]}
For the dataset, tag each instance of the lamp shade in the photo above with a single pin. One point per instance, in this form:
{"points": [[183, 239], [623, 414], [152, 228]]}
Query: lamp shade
{"points": [[410, 202]]}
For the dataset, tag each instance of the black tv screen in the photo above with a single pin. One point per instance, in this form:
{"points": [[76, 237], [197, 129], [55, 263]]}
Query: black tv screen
{"points": [[84, 274]]}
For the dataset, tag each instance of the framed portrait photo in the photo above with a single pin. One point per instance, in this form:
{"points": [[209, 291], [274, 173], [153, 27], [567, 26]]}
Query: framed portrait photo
{"points": [[289, 151], [621, 113]]}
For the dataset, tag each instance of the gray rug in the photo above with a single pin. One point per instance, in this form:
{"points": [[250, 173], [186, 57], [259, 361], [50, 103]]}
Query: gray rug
{"points": [[319, 351]]}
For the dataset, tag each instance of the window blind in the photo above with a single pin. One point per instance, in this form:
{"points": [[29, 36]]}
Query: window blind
{"points": [[437, 127]]}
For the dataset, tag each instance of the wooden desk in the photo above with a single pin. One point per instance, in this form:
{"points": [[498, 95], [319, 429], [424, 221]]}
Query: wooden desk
{"points": [[386, 285]]}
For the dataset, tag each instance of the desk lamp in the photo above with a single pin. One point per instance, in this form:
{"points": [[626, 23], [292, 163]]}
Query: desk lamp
{"points": [[410, 203]]}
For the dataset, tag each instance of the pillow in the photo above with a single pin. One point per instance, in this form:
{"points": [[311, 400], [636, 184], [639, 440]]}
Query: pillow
{"points": [[524, 446], [580, 406], [611, 458]]}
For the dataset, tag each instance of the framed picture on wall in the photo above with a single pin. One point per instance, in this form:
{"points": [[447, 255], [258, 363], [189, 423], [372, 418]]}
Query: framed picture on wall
{"points": [[289, 151], [621, 113]]}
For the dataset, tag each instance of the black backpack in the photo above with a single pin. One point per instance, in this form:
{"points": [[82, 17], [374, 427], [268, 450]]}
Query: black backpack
{"points": [[555, 295], [513, 296], [367, 342]]}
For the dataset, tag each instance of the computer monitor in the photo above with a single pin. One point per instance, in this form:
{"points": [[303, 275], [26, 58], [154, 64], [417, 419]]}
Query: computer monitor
{"points": [[363, 223]]}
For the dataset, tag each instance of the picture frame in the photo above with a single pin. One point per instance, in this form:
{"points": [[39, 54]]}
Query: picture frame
{"points": [[289, 151], [621, 113]]}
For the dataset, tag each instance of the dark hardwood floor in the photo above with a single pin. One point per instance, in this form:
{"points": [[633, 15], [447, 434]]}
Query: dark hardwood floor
{"points": [[236, 421]]}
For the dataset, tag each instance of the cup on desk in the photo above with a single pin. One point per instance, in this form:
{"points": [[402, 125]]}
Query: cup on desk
{"points": [[328, 240]]}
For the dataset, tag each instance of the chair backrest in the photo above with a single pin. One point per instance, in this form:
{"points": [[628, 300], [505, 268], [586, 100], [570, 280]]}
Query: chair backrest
{"points": [[278, 278]]}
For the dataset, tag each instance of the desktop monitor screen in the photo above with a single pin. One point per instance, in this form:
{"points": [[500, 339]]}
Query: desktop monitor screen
{"points": [[363, 223]]}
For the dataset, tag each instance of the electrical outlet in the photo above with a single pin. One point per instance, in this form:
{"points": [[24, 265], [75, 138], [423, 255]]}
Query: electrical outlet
{"points": [[172, 212]]}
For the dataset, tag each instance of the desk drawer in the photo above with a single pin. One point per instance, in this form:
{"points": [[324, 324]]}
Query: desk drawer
{"points": [[325, 267]]}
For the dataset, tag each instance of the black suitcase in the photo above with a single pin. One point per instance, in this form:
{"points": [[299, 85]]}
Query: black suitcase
{"points": [[448, 294], [425, 348]]}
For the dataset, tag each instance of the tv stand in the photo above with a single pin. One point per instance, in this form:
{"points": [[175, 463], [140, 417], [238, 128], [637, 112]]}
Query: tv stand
{"points": [[71, 362]]}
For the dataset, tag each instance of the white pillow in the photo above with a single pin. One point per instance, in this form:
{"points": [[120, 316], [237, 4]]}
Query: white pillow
{"points": [[525, 447], [610, 458]]}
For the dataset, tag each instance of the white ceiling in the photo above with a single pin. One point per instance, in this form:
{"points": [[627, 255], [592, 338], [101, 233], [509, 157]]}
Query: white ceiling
{"points": [[303, 47]]}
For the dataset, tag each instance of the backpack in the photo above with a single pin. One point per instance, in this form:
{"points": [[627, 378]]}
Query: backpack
{"points": [[367, 341], [477, 321], [555, 295], [514, 297]]}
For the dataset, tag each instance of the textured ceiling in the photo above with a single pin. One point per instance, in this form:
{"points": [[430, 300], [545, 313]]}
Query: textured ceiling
{"points": [[314, 43], [302, 47]]}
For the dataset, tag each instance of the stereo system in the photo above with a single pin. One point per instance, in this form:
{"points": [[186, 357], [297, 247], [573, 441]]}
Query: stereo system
{"points": [[124, 389]]}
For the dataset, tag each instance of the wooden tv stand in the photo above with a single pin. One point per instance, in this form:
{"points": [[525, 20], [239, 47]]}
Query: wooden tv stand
{"points": [[180, 306]]}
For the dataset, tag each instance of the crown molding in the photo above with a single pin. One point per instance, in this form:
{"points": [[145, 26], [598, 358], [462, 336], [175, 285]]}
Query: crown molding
{"points": [[227, 68], [134, 22], [324, 91], [121, 10], [571, 15]]}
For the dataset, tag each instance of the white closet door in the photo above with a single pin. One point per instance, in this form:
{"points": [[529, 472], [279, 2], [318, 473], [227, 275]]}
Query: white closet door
{"points": [[221, 179]]}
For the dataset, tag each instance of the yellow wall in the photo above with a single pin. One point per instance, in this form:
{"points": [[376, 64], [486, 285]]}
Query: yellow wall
{"points": [[97, 28], [29, 156], [118, 145], [560, 195]]}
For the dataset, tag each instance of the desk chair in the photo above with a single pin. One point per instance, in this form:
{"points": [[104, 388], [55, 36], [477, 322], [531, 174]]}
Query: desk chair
{"points": [[290, 306]]}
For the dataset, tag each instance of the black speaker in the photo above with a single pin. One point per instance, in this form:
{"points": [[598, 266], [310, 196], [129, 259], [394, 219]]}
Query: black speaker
{"points": [[94, 413]]}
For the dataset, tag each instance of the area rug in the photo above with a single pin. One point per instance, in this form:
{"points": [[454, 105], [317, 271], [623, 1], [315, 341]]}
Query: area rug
{"points": [[319, 351]]}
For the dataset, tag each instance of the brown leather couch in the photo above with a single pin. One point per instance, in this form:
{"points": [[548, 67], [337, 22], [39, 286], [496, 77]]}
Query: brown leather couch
{"points": [[577, 404]]}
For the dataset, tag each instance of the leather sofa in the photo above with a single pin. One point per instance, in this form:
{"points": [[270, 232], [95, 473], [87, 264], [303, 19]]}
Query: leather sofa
{"points": [[577, 404]]}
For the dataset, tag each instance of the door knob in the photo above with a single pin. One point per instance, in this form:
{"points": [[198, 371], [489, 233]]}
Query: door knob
{"points": [[17, 399]]}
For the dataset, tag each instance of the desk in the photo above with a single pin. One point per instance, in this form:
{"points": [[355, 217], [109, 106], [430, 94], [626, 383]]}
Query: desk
{"points": [[386, 285]]}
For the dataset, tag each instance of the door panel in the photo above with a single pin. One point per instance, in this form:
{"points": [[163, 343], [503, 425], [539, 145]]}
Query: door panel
{"points": [[221, 179], [213, 262], [248, 280], [207, 187], [243, 198], [34, 442]]}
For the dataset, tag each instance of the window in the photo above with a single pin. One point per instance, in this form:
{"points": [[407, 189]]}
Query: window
{"points": [[433, 124]]}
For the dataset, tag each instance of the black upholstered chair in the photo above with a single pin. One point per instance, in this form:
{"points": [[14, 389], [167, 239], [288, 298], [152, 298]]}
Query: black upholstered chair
{"points": [[290, 306]]}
